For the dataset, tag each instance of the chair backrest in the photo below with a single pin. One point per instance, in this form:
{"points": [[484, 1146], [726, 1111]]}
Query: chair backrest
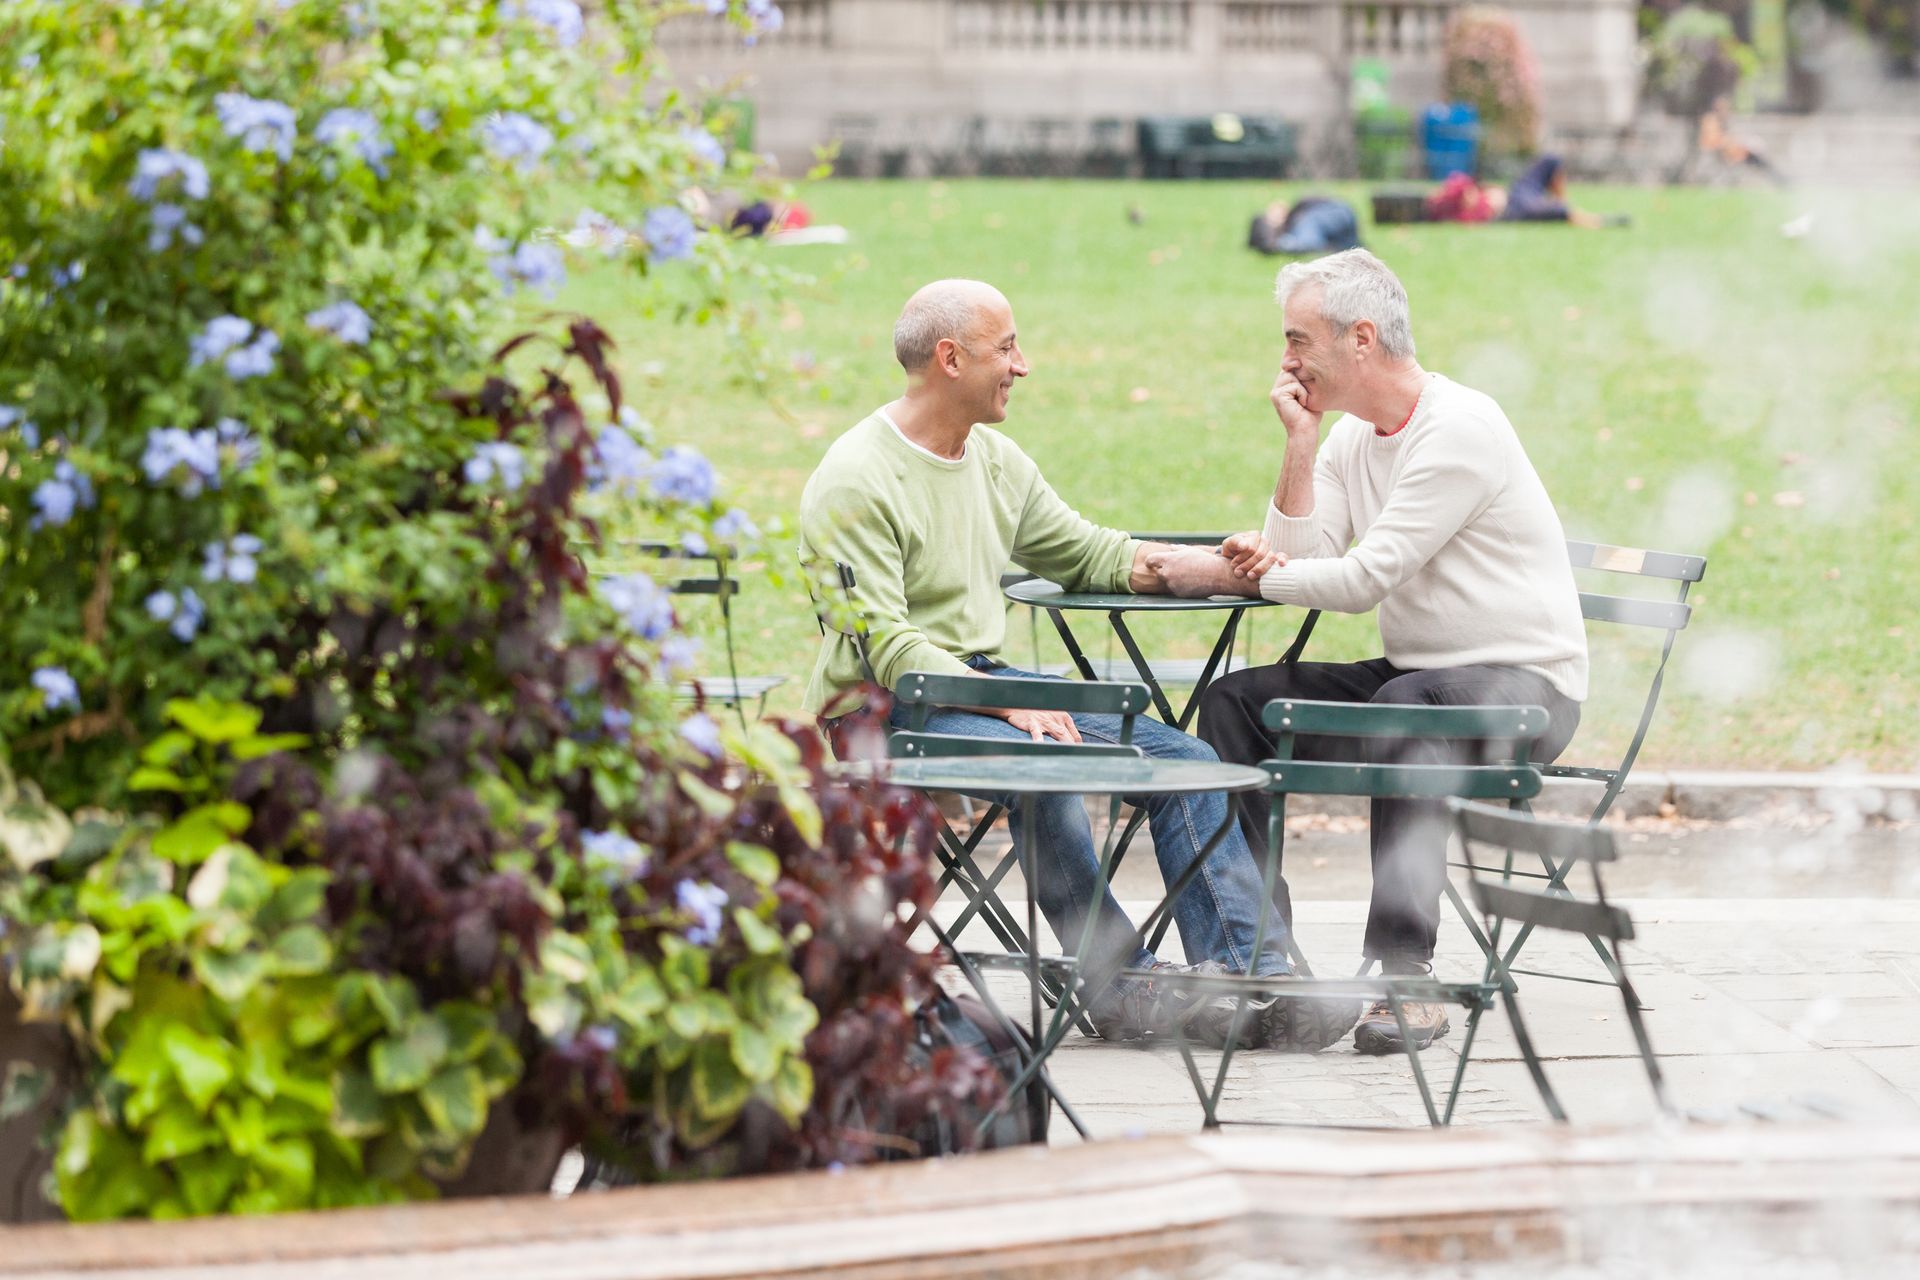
{"points": [[836, 609], [1670, 616], [922, 691], [908, 745], [1480, 826], [1512, 780], [698, 579]]}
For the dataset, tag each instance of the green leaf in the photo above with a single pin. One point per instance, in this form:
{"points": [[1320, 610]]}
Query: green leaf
{"points": [[167, 748], [719, 1089], [755, 1053], [26, 1088], [762, 939], [803, 811], [469, 1027], [358, 1109], [754, 862], [688, 1018], [403, 1063], [267, 744], [202, 1065], [301, 950], [195, 834], [394, 998], [211, 720], [230, 975], [207, 1179], [715, 804], [297, 901], [793, 1088], [640, 998], [148, 778], [176, 1132], [456, 1101], [566, 957]]}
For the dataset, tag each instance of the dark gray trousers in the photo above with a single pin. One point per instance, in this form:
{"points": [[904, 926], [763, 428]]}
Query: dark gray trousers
{"points": [[1409, 837]]}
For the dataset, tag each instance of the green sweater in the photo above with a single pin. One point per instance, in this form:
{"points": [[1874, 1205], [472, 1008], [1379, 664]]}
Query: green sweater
{"points": [[928, 539]]}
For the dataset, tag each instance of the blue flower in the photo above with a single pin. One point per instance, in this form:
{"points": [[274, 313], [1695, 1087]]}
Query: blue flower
{"points": [[716, 7], [237, 443], [616, 720], [233, 560], [640, 602], [620, 462], [344, 320], [248, 352], [703, 734], [169, 222], [705, 147], [593, 228], [734, 527], [76, 271], [184, 612], [12, 417], [516, 136], [190, 457], [682, 475], [362, 130], [702, 902], [563, 16], [156, 165], [616, 849], [669, 232], [426, 119], [56, 687], [261, 124], [496, 459], [57, 499], [678, 655], [540, 266], [693, 544], [766, 16]]}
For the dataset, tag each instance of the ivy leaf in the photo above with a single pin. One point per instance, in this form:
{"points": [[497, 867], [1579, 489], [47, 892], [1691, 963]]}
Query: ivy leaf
{"points": [[212, 720], [167, 748], [148, 778], [26, 1087], [207, 1178], [290, 1160], [358, 1109], [755, 1053], [688, 1018], [201, 1064], [253, 748], [762, 939], [299, 951], [176, 1132], [403, 1063], [195, 834], [230, 975], [754, 862], [793, 1088], [719, 1089], [468, 1027], [456, 1101]]}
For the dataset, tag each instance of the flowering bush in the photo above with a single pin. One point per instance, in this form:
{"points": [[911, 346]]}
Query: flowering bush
{"points": [[1490, 64], [383, 810]]}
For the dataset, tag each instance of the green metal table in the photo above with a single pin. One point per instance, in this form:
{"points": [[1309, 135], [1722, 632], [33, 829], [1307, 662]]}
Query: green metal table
{"points": [[1038, 593], [1113, 776]]}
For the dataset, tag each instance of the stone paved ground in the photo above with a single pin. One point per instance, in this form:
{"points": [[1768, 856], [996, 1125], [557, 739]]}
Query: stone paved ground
{"points": [[1782, 967]]}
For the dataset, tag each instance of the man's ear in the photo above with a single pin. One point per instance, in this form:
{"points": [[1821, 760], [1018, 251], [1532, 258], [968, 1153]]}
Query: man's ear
{"points": [[1366, 339], [946, 357]]}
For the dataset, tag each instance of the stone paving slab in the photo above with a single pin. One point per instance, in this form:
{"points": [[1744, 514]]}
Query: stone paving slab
{"points": [[1792, 1007]]}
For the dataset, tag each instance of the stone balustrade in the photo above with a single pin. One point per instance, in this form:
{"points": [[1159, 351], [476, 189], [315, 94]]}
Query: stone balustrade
{"points": [[915, 75]]}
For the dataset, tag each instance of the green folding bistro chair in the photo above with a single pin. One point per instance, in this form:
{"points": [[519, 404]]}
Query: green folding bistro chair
{"points": [[1513, 781], [959, 865], [733, 689], [1673, 575], [1500, 904]]}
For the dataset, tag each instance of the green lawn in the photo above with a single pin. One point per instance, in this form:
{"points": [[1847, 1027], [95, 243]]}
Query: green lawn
{"points": [[1698, 382]]}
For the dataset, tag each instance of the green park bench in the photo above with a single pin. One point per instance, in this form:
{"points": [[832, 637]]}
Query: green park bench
{"points": [[1222, 146]]}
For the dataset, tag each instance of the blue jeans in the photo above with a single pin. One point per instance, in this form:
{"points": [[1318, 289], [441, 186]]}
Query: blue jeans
{"points": [[1218, 911]]}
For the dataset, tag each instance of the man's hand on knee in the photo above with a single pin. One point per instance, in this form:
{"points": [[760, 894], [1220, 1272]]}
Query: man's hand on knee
{"points": [[1057, 725]]}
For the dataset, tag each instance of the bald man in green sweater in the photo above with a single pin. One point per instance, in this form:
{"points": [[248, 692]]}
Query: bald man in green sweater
{"points": [[929, 505]]}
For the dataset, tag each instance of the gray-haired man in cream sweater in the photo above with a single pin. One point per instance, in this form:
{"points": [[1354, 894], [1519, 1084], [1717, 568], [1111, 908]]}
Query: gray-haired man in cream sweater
{"points": [[1421, 503]]}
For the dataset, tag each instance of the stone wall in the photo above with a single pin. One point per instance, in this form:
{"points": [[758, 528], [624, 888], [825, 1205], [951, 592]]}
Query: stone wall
{"points": [[922, 75]]}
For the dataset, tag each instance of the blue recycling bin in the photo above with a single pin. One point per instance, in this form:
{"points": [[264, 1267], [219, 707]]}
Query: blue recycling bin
{"points": [[1450, 139]]}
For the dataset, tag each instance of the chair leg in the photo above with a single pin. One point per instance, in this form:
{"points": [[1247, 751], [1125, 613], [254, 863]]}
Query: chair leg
{"points": [[1534, 1066], [1413, 1057], [1460, 1069]]}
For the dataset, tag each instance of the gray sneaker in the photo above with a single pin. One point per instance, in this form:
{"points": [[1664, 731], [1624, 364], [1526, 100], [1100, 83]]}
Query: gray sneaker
{"points": [[1133, 1008], [1209, 1018]]}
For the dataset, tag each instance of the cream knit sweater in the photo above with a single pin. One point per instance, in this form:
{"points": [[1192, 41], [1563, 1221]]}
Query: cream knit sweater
{"points": [[1445, 526]]}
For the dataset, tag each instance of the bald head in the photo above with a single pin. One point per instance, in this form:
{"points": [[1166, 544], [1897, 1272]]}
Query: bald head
{"points": [[944, 309]]}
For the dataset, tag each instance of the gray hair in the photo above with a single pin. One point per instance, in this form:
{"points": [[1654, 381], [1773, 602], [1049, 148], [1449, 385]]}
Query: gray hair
{"points": [[943, 309], [1354, 286]]}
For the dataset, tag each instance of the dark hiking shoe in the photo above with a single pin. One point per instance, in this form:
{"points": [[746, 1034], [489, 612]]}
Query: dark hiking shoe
{"points": [[1378, 1032], [1307, 1024], [1133, 1008], [1208, 1017]]}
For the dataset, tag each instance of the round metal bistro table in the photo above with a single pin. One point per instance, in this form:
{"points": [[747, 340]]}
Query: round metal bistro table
{"points": [[1065, 774], [1038, 593]]}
